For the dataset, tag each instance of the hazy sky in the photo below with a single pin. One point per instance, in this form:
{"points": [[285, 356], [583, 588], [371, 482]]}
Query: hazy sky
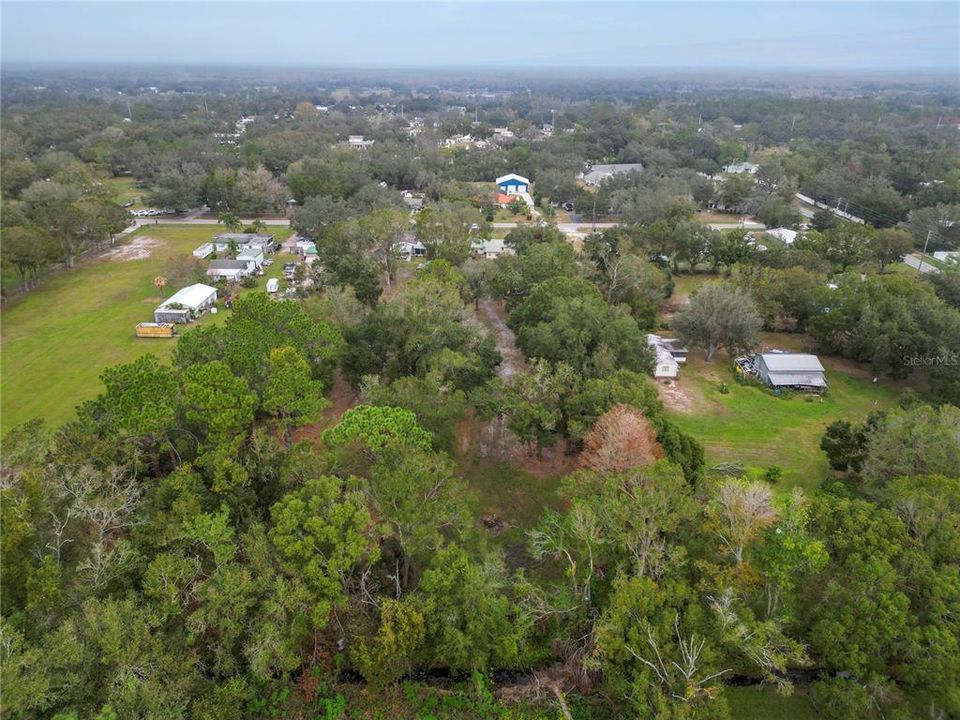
{"points": [[822, 35]]}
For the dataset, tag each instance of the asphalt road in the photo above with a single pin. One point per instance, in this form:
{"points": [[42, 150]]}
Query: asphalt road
{"points": [[917, 263]]}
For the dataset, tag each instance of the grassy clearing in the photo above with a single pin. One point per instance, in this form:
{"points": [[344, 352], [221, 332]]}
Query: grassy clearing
{"points": [[766, 703], [516, 497], [715, 216], [125, 189], [57, 339], [751, 425]]}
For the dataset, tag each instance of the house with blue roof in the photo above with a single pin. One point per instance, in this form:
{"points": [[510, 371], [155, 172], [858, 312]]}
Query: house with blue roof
{"points": [[513, 184]]}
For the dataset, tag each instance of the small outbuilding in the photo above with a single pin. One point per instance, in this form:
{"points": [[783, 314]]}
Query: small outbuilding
{"points": [[668, 354], [408, 250], [797, 371], [186, 304]]}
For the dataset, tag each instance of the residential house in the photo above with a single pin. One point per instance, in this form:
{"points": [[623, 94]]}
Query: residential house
{"points": [[185, 304], [798, 371], [490, 249], [784, 235], [229, 269], [358, 142], [596, 174], [513, 184], [252, 253], [264, 240], [208, 249], [740, 168]]}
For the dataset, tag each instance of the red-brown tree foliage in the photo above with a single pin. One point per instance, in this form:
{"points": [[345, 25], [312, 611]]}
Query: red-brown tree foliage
{"points": [[620, 439]]}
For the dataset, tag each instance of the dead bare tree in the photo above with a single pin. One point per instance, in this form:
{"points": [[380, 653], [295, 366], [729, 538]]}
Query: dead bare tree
{"points": [[106, 500], [680, 679], [742, 510]]}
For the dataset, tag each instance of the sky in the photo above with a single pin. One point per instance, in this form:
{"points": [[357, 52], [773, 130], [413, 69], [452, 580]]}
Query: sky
{"points": [[517, 35]]}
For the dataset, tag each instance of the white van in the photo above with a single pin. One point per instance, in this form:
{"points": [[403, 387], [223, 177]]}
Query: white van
{"points": [[273, 285]]}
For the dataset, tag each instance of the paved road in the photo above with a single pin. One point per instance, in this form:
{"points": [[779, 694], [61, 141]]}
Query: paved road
{"points": [[142, 222], [585, 227], [917, 263], [563, 227], [746, 225]]}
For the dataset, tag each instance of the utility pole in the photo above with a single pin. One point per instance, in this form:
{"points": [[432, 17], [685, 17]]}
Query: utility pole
{"points": [[925, 244], [593, 227]]}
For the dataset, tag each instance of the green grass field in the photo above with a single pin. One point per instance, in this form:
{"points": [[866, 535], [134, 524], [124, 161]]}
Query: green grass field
{"points": [[125, 189], [58, 338], [751, 425]]}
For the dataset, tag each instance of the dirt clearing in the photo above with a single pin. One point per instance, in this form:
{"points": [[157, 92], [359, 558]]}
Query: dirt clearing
{"points": [[137, 249], [674, 396]]}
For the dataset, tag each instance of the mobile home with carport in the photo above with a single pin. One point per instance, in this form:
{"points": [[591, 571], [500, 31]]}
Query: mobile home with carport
{"points": [[186, 304]]}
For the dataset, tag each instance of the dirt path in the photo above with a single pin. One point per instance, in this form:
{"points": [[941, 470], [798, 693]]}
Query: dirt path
{"points": [[491, 314], [342, 398], [674, 396]]}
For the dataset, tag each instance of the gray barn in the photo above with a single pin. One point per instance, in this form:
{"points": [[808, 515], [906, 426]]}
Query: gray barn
{"points": [[798, 371]]}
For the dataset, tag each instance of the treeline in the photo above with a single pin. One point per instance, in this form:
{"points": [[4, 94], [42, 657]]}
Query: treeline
{"points": [[177, 551]]}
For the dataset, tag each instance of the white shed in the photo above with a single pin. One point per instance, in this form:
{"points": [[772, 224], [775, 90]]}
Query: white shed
{"points": [[665, 366]]}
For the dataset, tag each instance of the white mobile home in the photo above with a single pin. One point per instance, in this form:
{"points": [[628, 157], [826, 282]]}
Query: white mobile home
{"points": [[186, 304], [229, 269], [263, 240]]}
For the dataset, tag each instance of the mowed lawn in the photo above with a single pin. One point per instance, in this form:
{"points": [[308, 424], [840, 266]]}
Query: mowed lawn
{"points": [[751, 425], [58, 338]]}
